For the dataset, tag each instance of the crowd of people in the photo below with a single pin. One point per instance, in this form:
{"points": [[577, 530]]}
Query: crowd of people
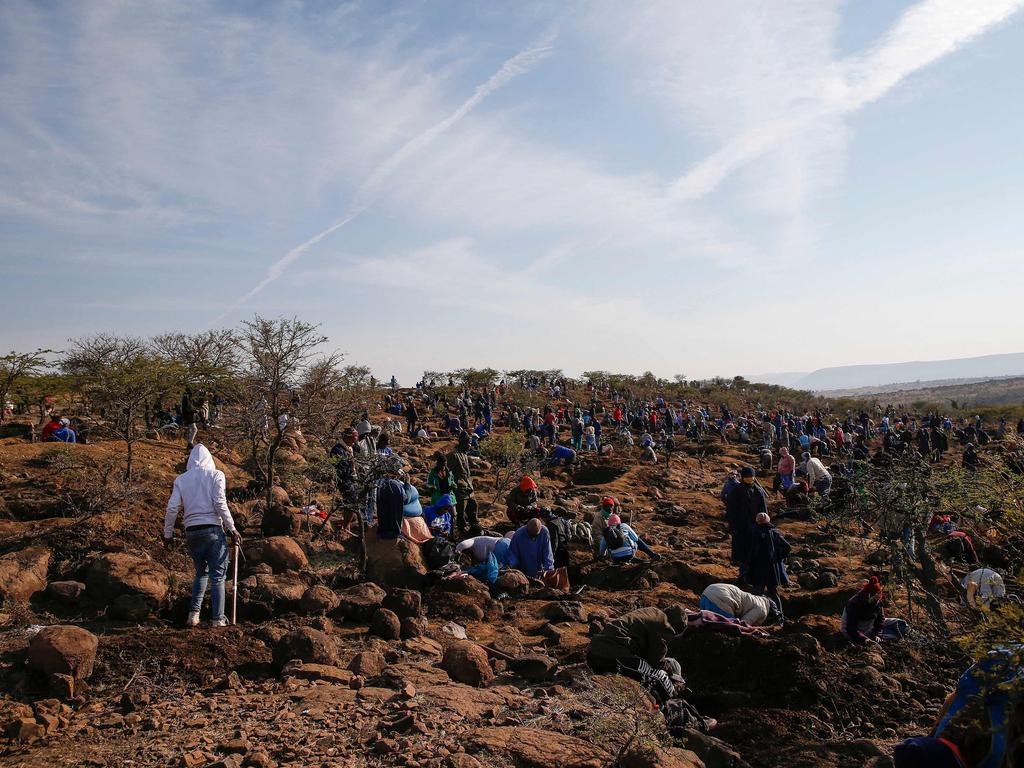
{"points": [[440, 512]]}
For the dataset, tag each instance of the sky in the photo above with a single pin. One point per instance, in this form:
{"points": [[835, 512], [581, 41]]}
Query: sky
{"points": [[671, 186]]}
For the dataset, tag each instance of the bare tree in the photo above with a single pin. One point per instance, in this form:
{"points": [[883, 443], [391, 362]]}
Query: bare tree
{"points": [[207, 358], [17, 366], [277, 355], [118, 376]]}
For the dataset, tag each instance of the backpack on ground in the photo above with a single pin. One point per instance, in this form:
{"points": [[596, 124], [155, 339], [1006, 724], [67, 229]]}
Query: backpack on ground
{"points": [[614, 537], [437, 553]]}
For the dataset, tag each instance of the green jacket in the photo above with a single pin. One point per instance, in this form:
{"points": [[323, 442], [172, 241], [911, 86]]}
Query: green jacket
{"points": [[458, 465], [644, 632]]}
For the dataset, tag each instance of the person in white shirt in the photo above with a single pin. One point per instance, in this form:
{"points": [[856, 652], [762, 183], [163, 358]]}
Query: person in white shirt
{"points": [[818, 477], [983, 585], [733, 603], [199, 491]]}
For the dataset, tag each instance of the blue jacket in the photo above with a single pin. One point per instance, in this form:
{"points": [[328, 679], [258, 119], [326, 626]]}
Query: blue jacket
{"points": [[561, 452], [500, 552], [64, 435], [531, 556], [628, 549], [487, 571]]}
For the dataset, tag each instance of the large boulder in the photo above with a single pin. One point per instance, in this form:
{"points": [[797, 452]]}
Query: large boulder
{"points": [[385, 624], [63, 649], [318, 600], [404, 602], [394, 562], [23, 573], [280, 520], [264, 595], [283, 553], [131, 607], [467, 662], [308, 645], [461, 599], [118, 573], [359, 602], [65, 591], [535, 748], [512, 582]]}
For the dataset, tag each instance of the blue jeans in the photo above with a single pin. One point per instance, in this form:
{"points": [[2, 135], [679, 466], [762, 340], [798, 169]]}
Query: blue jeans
{"points": [[209, 550]]}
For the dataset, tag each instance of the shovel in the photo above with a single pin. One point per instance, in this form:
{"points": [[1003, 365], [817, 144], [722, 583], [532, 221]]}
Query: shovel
{"points": [[234, 590]]}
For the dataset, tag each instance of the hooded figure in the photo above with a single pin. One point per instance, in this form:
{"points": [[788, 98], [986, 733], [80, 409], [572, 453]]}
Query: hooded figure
{"points": [[742, 506], [200, 493], [766, 562]]}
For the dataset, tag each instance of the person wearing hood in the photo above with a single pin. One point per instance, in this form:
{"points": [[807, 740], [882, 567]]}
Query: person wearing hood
{"points": [[766, 562], [744, 503], [522, 501], [465, 502], [438, 516], [414, 528], [200, 493], [621, 542], [864, 620], [64, 433]]}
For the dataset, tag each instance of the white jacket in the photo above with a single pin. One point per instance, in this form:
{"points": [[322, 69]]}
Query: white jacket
{"points": [[752, 609], [200, 491]]}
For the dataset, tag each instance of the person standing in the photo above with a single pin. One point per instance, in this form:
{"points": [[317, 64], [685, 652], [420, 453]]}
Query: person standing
{"points": [[188, 418], [200, 493], [745, 501], [465, 506], [766, 562]]}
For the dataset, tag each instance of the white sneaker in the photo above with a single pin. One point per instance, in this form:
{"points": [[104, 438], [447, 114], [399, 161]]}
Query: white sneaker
{"points": [[219, 623], [192, 620]]}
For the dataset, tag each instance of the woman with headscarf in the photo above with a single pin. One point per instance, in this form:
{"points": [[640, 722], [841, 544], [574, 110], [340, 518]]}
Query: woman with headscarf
{"points": [[766, 562], [864, 620], [522, 501]]}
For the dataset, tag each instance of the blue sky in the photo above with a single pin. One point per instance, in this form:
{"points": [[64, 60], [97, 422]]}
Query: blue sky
{"points": [[680, 187]]}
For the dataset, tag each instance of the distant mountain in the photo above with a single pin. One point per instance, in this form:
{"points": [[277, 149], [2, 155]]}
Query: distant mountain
{"points": [[779, 379], [856, 376]]}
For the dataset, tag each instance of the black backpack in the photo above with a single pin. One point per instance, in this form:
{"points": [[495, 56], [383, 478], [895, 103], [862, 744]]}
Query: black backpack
{"points": [[438, 553], [560, 532], [614, 537]]}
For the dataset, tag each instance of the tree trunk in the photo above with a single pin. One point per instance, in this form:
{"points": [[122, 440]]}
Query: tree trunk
{"points": [[130, 443], [929, 578]]}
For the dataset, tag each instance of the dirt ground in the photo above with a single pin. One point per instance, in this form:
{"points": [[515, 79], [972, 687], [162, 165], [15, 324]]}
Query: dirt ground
{"points": [[162, 695]]}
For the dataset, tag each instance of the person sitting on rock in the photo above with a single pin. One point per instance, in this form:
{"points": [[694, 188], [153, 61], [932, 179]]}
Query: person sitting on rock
{"points": [[530, 552], [864, 620], [731, 602], [522, 501], [599, 521], [621, 542]]}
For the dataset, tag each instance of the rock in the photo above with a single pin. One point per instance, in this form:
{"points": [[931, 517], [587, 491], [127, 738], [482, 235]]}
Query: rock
{"points": [[459, 599], [536, 748], [318, 600], [714, 753], [403, 602], [412, 627], [23, 573], [513, 582], [467, 662], [827, 579], [25, 730], [424, 646], [259, 758], [359, 602], [394, 563], [63, 650], [279, 496], [283, 553], [564, 611], [234, 747], [65, 591], [276, 593], [462, 760], [280, 520], [131, 608], [118, 573], [305, 671], [63, 686], [533, 667], [368, 664], [808, 580], [306, 644], [385, 624]]}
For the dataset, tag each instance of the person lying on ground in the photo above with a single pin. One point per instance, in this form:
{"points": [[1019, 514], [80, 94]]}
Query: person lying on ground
{"points": [[530, 552], [731, 602], [864, 620], [200, 493], [621, 542], [522, 501], [715, 622]]}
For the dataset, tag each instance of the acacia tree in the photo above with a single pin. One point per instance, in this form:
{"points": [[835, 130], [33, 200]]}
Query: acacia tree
{"points": [[207, 359], [276, 356], [16, 367], [118, 376]]}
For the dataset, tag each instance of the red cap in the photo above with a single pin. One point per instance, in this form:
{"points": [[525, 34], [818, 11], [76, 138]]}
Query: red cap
{"points": [[527, 484], [873, 586], [609, 501]]}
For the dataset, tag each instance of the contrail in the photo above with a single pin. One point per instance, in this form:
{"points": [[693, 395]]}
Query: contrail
{"points": [[369, 190], [924, 34]]}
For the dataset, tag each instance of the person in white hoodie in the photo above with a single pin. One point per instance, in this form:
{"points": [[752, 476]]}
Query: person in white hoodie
{"points": [[199, 491]]}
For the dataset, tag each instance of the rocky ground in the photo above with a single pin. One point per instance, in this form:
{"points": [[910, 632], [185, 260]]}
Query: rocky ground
{"points": [[326, 669]]}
